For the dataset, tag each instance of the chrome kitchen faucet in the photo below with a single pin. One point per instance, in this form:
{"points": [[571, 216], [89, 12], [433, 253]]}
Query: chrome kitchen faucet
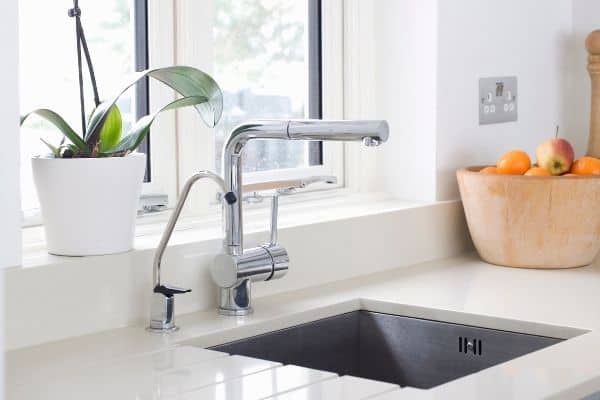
{"points": [[235, 269], [162, 307]]}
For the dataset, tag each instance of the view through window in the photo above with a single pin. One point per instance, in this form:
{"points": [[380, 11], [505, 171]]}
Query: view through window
{"points": [[261, 61], [48, 69], [262, 64]]}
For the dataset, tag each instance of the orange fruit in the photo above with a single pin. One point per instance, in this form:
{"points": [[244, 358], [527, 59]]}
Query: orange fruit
{"points": [[515, 162], [538, 171], [570, 175], [489, 170], [586, 166]]}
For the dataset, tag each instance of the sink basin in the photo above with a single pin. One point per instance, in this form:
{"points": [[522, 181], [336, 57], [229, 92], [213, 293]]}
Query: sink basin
{"points": [[402, 350]]}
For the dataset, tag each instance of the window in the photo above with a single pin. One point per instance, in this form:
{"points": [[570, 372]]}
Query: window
{"points": [[48, 68], [268, 56], [268, 62]]}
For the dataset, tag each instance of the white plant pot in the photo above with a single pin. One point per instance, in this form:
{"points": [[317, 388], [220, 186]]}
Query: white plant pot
{"points": [[89, 205]]}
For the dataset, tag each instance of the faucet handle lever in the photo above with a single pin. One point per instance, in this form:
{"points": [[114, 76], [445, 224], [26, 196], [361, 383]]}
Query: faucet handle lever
{"points": [[170, 291], [296, 184]]}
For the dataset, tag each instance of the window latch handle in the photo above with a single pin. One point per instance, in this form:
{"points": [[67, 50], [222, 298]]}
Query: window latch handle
{"points": [[299, 184], [274, 217]]}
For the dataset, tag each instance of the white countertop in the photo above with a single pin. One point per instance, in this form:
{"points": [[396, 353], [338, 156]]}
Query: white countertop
{"points": [[131, 363]]}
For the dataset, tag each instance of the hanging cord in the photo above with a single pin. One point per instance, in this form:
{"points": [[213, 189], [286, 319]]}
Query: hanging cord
{"points": [[75, 12]]}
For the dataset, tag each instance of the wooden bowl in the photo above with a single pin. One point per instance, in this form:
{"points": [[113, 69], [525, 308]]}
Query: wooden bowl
{"points": [[531, 221]]}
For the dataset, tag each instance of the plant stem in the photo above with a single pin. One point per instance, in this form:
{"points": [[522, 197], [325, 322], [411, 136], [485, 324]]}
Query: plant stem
{"points": [[81, 43], [76, 12], [88, 60]]}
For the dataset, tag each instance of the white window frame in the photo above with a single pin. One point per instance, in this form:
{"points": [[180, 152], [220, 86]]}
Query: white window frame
{"points": [[163, 143]]}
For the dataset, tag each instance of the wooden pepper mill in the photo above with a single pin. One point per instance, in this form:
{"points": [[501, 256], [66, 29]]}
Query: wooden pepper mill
{"points": [[592, 44]]}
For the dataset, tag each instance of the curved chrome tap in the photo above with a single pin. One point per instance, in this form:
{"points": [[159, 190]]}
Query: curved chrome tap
{"points": [[162, 313], [236, 267], [371, 133]]}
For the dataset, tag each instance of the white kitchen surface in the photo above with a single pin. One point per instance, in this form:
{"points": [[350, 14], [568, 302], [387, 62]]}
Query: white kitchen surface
{"points": [[397, 394], [260, 385], [210, 373], [464, 290], [344, 388], [174, 358]]}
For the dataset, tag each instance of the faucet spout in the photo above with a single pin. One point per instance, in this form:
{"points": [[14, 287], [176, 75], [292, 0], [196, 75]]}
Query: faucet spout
{"points": [[164, 240], [346, 131], [370, 133]]}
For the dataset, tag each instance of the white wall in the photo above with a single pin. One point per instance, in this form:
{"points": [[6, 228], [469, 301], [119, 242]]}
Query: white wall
{"points": [[405, 90], [10, 208], [429, 56], [479, 38]]}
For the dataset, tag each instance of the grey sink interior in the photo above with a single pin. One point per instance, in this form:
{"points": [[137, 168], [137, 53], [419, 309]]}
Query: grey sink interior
{"points": [[406, 351]]}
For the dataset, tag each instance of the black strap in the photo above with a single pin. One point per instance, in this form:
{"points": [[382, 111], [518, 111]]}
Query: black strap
{"points": [[81, 43]]}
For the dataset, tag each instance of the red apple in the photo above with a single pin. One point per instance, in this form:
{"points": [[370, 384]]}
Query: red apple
{"points": [[555, 155]]}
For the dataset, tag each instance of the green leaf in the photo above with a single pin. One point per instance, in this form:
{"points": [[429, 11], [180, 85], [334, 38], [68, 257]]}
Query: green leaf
{"points": [[60, 123], [141, 128], [187, 81], [110, 134], [191, 82]]}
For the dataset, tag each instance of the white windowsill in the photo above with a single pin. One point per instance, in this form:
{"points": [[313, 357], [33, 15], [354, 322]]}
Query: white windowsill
{"points": [[298, 210]]}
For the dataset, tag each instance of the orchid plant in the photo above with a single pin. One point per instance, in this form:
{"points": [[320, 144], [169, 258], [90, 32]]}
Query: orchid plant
{"points": [[102, 133], [103, 136]]}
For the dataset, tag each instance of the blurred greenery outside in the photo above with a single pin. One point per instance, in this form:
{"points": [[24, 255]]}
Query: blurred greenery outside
{"points": [[261, 63]]}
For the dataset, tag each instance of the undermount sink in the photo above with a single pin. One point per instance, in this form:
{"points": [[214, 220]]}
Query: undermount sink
{"points": [[403, 350]]}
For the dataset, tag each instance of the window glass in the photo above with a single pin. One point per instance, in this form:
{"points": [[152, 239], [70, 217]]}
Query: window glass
{"points": [[261, 62], [48, 69]]}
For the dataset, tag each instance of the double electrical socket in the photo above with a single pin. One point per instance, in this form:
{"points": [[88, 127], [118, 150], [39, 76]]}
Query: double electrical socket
{"points": [[498, 100]]}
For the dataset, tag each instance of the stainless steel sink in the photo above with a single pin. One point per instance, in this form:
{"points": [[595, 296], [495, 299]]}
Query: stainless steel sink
{"points": [[406, 351]]}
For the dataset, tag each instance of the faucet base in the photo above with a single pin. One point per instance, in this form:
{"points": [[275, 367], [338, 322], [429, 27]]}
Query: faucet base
{"points": [[150, 329], [162, 314], [235, 300], [235, 313]]}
